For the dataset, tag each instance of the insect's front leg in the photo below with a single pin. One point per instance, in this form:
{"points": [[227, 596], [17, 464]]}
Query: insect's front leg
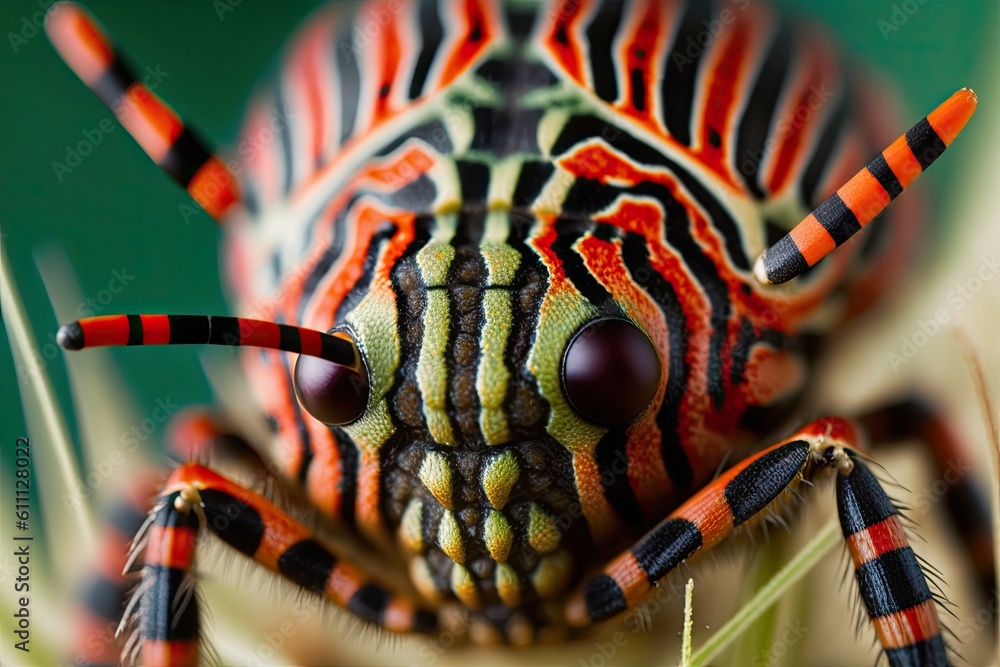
{"points": [[891, 581], [196, 497]]}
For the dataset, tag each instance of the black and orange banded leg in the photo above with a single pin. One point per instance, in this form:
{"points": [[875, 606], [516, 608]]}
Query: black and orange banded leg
{"points": [[893, 586], [965, 499], [159, 131], [104, 593], [194, 497]]}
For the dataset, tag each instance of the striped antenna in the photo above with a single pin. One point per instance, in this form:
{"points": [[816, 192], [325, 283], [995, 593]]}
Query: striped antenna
{"points": [[866, 195], [115, 330], [155, 126]]}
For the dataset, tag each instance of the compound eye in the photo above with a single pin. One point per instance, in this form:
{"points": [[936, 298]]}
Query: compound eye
{"points": [[332, 393], [610, 372]]}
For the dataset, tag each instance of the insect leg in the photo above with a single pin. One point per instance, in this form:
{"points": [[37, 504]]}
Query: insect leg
{"points": [[964, 497], [196, 496], [159, 131], [104, 591], [892, 583]]}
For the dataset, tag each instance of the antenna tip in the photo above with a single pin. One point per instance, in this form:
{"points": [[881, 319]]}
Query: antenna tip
{"points": [[70, 336]]}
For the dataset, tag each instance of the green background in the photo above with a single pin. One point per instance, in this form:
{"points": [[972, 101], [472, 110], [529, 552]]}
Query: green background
{"points": [[116, 210]]}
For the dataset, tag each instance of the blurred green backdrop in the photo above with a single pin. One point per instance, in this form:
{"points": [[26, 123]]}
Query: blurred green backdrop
{"points": [[116, 212]]}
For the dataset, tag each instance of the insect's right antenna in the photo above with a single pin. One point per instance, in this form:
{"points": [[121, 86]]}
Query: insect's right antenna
{"points": [[155, 126]]}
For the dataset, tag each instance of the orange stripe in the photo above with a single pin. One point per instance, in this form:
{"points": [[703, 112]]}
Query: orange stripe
{"points": [[170, 547], [105, 330], [865, 196], [398, 615], [213, 187], [909, 626], [79, 41], [876, 540], [170, 653], [902, 161], [812, 240], [151, 123], [155, 329], [949, 118], [630, 577], [344, 582]]}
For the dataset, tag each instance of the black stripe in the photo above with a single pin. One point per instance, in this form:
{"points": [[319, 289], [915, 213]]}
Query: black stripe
{"points": [[236, 522], [568, 232], [289, 338], [305, 439], [861, 501], [680, 70], [103, 597], [223, 330], [824, 150], [168, 517], [926, 653], [433, 133], [162, 617], [384, 233], [346, 57], [505, 131], [837, 219], [125, 517], [879, 168], [760, 109], [600, 35], [760, 482], [113, 82], [666, 546], [474, 182], [286, 138], [188, 329], [635, 253], [892, 582], [530, 181], [520, 21], [308, 564], [611, 457], [348, 487], [604, 598], [424, 621], [134, 330], [417, 196], [745, 339], [431, 34], [184, 157], [783, 261], [925, 143], [369, 603]]}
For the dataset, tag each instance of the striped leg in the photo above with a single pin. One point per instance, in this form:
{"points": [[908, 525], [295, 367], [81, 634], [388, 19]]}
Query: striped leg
{"points": [[158, 130], [105, 591], [964, 497], [893, 586], [196, 496]]}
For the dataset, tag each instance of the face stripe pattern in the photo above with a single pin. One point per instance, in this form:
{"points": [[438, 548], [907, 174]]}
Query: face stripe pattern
{"points": [[537, 188]]}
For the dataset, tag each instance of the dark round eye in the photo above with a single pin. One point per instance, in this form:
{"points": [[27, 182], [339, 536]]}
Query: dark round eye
{"points": [[610, 372], [331, 393]]}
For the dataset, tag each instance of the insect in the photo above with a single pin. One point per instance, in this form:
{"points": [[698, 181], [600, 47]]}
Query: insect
{"points": [[529, 261]]}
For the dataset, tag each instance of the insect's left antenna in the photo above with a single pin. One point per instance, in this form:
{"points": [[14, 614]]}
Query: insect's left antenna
{"points": [[160, 132], [119, 330]]}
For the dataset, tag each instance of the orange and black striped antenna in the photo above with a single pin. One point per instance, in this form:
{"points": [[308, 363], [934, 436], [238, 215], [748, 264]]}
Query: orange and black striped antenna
{"points": [[122, 330], [868, 193], [167, 139]]}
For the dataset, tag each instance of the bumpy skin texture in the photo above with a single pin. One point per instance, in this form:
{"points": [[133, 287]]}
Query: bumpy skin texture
{"points": [[466, 188]]}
